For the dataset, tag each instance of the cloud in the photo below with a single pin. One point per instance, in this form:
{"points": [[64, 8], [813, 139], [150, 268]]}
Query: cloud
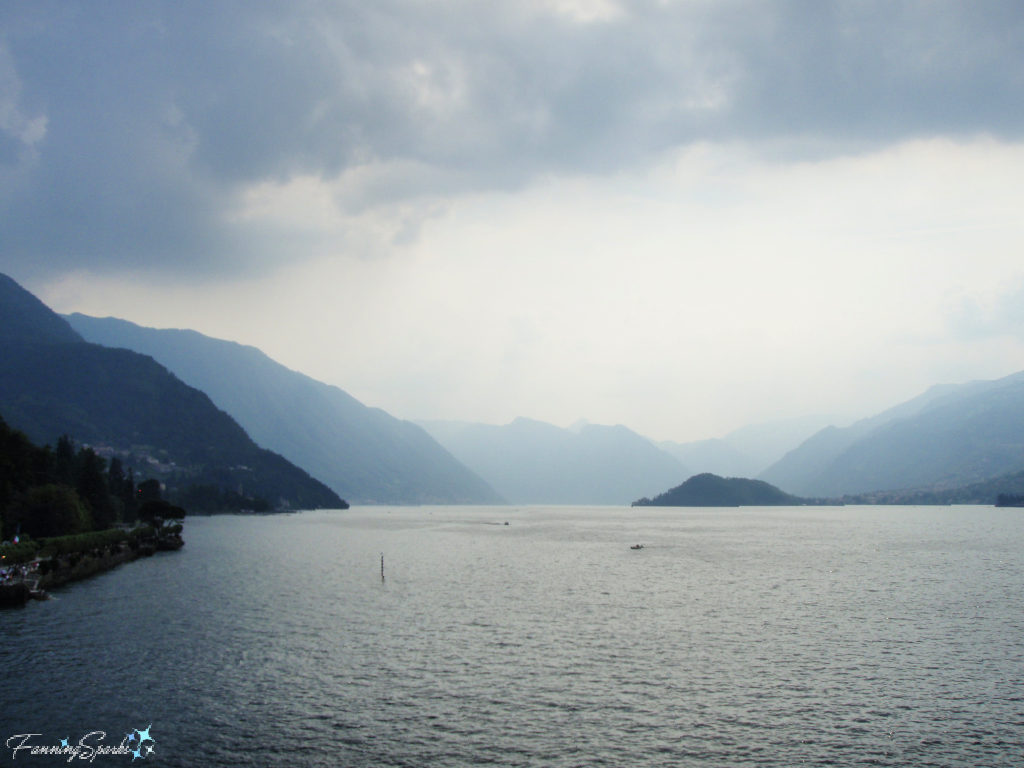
{"points": [[712, 290], [133, 136], [988, 315]]}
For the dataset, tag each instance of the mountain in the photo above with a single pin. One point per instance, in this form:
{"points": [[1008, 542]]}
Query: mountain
{"points": [[746, 451], [707, 490], [532, 462], [24, 319], [797, 469], [768, 442], [950, 436], [715, 456], [364, 454], [984, 492], [52, 382]]}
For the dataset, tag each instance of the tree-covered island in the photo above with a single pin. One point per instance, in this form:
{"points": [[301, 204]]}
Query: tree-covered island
{"points": [[707, 490]]}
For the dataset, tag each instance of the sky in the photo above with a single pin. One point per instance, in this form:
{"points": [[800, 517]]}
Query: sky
{"points": [[680, 215]]}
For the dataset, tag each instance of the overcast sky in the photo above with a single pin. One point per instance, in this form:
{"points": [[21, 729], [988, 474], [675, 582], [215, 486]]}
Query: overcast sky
{"points": [[680, 215]]}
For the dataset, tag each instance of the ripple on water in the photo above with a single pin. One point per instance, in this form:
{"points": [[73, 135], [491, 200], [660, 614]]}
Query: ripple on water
{"points": [[778, 637]]}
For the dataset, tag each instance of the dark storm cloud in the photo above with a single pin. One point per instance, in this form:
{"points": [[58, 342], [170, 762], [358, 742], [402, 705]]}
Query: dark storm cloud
{"points": [[128, 129]]}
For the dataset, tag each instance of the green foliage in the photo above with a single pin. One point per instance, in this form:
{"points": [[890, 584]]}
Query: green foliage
{"points": [[128, 497], [47, 493], [115, 476], [52, 510], [121, 488], [22, 466], [81, 543], [91, 485], [15, 554], [64, 461], [151, 511]]}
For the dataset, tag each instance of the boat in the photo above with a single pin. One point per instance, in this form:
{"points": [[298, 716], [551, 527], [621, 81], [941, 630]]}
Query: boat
{"points": [[637, 546]]}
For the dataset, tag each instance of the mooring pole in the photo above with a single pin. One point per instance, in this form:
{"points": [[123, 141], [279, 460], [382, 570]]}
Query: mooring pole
{"points": [[382, 566]]}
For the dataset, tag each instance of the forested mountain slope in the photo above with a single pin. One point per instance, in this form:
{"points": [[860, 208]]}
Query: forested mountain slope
{"points": [[364, 454]]}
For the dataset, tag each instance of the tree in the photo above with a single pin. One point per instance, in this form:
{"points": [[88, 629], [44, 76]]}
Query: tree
{"points": [[116, 482], [22, 466], [149, 490], [154, 512], [64, 467], [52, 510], [131, 504], [115, 477], [92, 488]]}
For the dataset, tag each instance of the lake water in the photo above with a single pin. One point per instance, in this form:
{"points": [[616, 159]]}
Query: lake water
{"points": [[764, 637]]}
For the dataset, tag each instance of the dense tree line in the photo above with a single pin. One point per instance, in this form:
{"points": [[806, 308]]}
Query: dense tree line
{"points": [[46, 492]]}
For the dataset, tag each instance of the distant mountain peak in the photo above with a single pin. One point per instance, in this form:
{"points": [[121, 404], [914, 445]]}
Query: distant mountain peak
{"points": [[534, 462]]}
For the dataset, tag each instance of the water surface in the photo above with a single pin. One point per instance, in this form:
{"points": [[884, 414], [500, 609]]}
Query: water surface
{"points": [[768, 637]]}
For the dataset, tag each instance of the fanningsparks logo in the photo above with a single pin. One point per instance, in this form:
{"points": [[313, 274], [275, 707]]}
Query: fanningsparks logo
{"points": [[138, 743]]}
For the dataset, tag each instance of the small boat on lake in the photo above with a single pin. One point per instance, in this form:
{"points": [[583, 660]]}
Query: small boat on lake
{"points": [[637, 546]]}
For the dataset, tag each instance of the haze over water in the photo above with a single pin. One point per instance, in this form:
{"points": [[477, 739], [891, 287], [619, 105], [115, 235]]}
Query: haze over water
{"points": [[770, 637]]}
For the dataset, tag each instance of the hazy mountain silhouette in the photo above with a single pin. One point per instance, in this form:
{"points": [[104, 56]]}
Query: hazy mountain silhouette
{"points": [[52, 382], [984, 492], [767, 442], [364, 454], [950, 436], [532, 462], [746, 451], [714, 456]]}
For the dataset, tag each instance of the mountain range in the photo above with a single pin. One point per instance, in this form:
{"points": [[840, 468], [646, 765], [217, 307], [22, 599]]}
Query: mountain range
{"points": [[749, 450], [533, 462], [200, 408], [364, 454], [53, 382], [948, 437]]}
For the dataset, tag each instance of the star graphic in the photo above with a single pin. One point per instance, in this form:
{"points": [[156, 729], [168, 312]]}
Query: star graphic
{"points": [[150, 749], [144, 735], [136, 753], [130, 737], [64, 741]]}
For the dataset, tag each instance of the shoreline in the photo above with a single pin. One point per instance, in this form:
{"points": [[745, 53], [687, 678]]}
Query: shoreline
{"points": [[34, 585]]}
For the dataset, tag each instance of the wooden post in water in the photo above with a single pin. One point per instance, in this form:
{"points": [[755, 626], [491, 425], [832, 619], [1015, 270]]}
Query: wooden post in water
{"points": [[382, 566]]}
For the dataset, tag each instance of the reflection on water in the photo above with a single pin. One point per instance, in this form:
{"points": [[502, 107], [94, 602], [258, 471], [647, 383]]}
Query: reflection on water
{"points": [[773, 637]]}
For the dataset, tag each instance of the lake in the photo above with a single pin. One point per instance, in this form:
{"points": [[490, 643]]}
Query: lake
{"points": [[887, 636]]}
